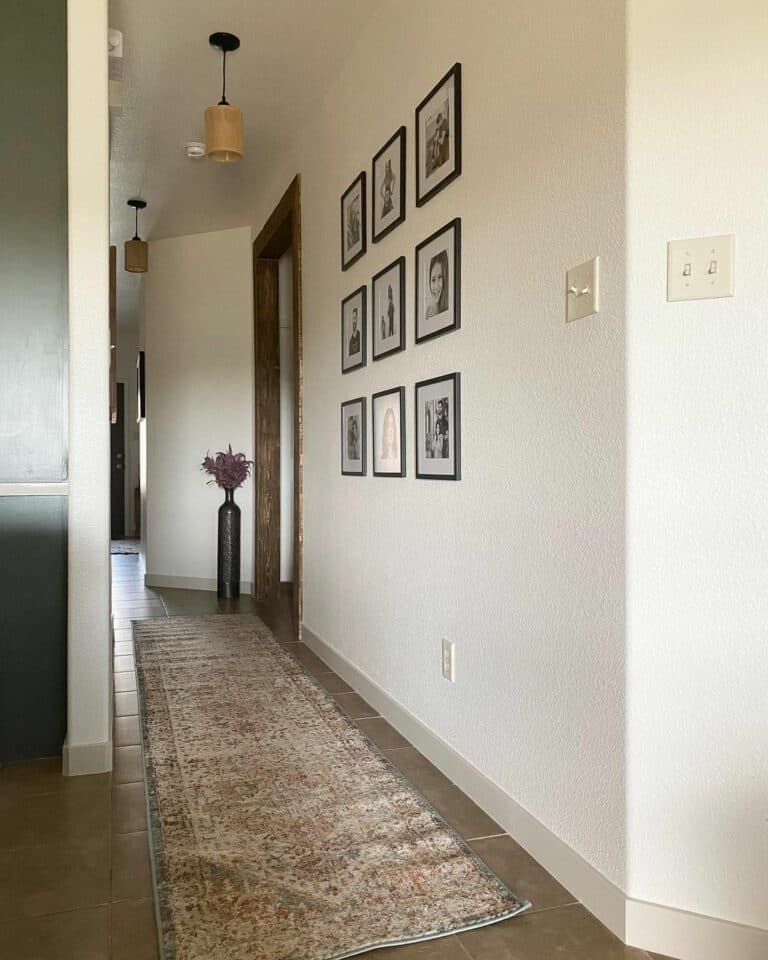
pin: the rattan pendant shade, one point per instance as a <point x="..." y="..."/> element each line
<point x="224" y="133"/>
<point x="136" y="251"/>
<point x="223" y="122"/>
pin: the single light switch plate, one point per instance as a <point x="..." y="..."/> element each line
<point x="700" y="269"/>
<point x="582" y="290"/>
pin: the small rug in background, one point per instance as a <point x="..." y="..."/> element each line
<point x="124" y="546"/>
<point x="278" y="830"/>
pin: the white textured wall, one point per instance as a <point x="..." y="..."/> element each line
<point x="285" y="309"/>
<point x="698" y="455"/>
<point x="198" y="338"/>
<point x="89" y="725"/>
<point x="520" y="563"/>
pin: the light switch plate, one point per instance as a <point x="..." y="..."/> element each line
<point x="701" y="268"/>
<point x="582" y="290"/>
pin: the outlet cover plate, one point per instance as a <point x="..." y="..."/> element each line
<point x="701" y="268"/>
<point x="449" y="660"/>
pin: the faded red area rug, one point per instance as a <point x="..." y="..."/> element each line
<point x="278" y="830"/>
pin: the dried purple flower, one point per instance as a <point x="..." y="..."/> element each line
<point x="229" y="470"/>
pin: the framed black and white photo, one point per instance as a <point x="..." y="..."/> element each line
<point x="388" y="186"/>
<point x="388" y="413"/>
<point x="353" y="222"/>
<point x="353" y="438"/>
<point x="353" y="323"/>
<point x="388" y="310"/>
<point x="438" y="136"/>
<point x="438" y="428"/>
<point x="438" y="282"/>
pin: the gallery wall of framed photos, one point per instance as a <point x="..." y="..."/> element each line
<point x="377" y="313"/>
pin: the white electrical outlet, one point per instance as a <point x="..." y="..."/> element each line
<point x="449" y="660"/>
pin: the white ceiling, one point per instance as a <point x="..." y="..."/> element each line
<point x="290" y="53"/>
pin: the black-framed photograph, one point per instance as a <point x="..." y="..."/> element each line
<point x="438" y="136"/>
<point x="353" y="438"/>
<point x="438" y="282"/>
<point x="438" y="428"/>
<point x="388" y="186"/>
<point x="388" y="310"/>
<point x="141" y="387"/>
<point x="353" y="222"/>
<point x="353" y="323"/>
<point x="388" y="414"/>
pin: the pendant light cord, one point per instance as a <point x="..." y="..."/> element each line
<point x="136" y="231"/>
<point x="224" y="102"/>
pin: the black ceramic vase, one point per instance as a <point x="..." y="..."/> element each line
<point x="228" y="565"/>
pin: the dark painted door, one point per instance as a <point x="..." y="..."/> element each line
<point x="118" y="467"/>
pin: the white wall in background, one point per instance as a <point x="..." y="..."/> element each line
<point x="521" y="562"/>
<point x="285" y="309"/>
<point x="198" y="339"/>
<point x="698" y="454"/>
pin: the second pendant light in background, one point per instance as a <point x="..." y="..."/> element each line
<point x="137" y="250"/>
<point x="223" y="122"/>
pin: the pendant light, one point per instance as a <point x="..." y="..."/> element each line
<point x="223" y="122"/>
<point x="136" y="250"/>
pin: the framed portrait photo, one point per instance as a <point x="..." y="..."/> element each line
<point x="388" y="310"/>
<point x="388" y="411"/>
<point x="353" y="438"/>
<point x="438" y="136"/>
<point x="438" y="428"/>
<point x="353" y="222"/>
<point x="353" y="321"/>
<point x="438" y="282"/>
<point x="388" y="186"/>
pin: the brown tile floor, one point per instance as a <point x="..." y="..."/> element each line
<point x="75" y="881"/>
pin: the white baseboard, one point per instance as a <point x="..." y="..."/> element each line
<point x="81" y="759"/>
<point x="674" y="933"/>
<point x="691" y="936"/>
<point x="189" y="583"/>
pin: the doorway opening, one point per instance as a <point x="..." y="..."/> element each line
<point x="278" y="381"/>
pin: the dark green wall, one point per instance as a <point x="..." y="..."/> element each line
<point x="33" y="375"/>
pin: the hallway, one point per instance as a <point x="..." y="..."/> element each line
<point x="75" y="878"/>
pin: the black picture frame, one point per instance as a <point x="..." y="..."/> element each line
<point x="454" y="282"/>
<point x="375" y="187"/>
<point x="141" y="387"/>
<point x="361" y="292"/>
<point x="422" y="193"/>
<point x="400" y="393"/>
<point x="455" y="380"/>
<point x="400" y="264"/>
<point x="363" y="434"/>
<point x="358" y="184"/>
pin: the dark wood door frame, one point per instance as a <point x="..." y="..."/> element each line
<point x="281" y="234"/>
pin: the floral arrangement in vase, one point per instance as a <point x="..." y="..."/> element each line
<point x="229" y="470"/>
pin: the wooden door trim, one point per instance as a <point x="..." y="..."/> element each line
<point x="279" y="235"/>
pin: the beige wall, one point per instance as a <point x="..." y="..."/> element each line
<point x="88" y="747"/>
<point x="198" y="339"/>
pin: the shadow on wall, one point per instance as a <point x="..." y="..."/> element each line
<point x="33" y="626"/>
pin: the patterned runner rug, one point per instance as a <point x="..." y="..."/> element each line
<point x="278" y="830"/>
